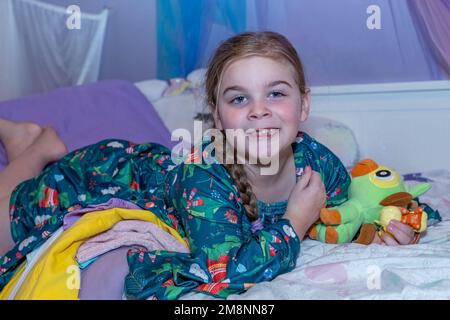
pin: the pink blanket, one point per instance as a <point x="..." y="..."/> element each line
<point x="129" y="233"/>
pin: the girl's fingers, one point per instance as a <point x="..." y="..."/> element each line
<point x="316" y="181"/>
<point x="377" y="239"/>
<point x="402" y="235"/>
<point x="388" y="240"/>
<point x="305" y="178"/>
<point x="316" y="188"/>
<point x="316" y="176"/>
<point x="402" y="226"/>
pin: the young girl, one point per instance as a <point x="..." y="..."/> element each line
<point x="243" y="227"/>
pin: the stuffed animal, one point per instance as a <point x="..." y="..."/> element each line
<point x="373" y="187"/>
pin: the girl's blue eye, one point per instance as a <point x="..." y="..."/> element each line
<point x="276" y="94"/>
<point x="238" y="100"/>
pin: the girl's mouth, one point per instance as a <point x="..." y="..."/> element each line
<point x="263" y="132"/>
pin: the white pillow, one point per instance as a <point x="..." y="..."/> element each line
<point x="177" y="112"/>
<point x="197" y="78"/>
<point x="152" y="89"/>
<point x="336" y="136"/>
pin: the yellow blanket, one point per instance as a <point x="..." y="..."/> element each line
<point x="56" y="274"/>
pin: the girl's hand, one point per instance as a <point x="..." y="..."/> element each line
<point x="305" y="201"/>
<point x="403" y="234"/>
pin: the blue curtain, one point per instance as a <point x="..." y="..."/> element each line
<point x="331" y="36"/>
<point x="184" y="31"/>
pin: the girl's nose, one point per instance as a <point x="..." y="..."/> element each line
<point x="259" y="110"/>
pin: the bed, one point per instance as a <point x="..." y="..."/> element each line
<point x="142" y="112"/>
<point x="354" y="271"/>
<point x="393" y="113"/>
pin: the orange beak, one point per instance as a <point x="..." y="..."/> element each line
<point x="364" y="167"/>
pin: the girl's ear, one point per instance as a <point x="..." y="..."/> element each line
<point x="305" y="107"/>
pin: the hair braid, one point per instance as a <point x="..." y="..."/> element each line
<point x="239" y="176"/>
<point x="249" y="200"/>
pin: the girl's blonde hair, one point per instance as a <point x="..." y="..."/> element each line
<point x="265" y="44"/>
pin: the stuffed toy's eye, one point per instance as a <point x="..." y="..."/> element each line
<point x="384" y="175"/>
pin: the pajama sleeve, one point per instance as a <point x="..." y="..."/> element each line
<point x="334" y="175"/>
<point x="336" y="179"/>
<point x="226" y="257"/>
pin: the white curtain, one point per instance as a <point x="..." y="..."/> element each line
<point x="38" y="52"/>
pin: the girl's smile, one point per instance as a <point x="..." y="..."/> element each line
<point x="263" y="133"/>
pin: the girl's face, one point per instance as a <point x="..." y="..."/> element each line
<point x="261" y="93"/>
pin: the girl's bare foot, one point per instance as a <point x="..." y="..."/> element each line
<point x="46" y="148"/>
<point x="17" y="136"/>
<point x="49" y="145"/>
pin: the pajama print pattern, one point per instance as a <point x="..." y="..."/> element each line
<point x="198" y="200"/>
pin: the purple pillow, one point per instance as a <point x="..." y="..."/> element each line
<point x="89" y="113"/>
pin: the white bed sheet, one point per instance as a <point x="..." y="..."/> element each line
<point x="354" y="271"/>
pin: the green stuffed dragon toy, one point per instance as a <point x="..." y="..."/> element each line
<point x="376" y="194"/>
